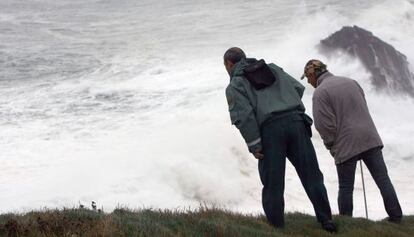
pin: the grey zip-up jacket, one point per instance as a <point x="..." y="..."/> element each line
<point x="342" y="118"/>
<point x="249" y="107"/>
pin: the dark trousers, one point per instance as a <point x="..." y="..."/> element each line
<point x="374" y="161"/>
<point x="288" y="136"/>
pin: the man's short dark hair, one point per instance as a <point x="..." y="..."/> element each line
<point x="234" y="55"/>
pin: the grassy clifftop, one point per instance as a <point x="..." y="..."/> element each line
<point x="202" y="222"/>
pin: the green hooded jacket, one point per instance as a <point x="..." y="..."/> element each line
<point x="250" y="108"/>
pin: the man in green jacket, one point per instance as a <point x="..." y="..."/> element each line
<point x="265" y="105"/>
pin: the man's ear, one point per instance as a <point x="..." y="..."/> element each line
<point x="228" y="64"/>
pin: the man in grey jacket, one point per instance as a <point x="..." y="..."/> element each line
<point x="265" y="105"/>
<point x="342" y="118"/>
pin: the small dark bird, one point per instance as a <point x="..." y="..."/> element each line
<point x="93" y="205"/>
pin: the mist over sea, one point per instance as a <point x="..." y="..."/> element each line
<point x="122" y="102"/>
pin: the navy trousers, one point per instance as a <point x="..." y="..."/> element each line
<point x="289" y="137"/>
<point x="374" y="161"/>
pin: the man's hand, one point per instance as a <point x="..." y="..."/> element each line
<point x="256" y="150"/>
<point x="258" y="155"/>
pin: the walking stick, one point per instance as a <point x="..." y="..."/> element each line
<point x="363" y="188"/>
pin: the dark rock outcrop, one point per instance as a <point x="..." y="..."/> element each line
<point x="389" y="68"/>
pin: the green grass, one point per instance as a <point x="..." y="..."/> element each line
<point x="201" y="222"/>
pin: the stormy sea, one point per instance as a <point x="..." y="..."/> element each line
<point x="122" y="102"/>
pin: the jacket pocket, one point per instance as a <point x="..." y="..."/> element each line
<point x="308" y="124"/>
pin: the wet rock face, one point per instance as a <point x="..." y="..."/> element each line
<point x="389" y="68"/>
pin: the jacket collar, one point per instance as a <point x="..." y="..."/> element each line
<point x="239" y="67"/>
<point x="323" y="77"/>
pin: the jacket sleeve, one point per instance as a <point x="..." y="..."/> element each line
<point x="242" y="115"/>
<point x="324" y="119"/>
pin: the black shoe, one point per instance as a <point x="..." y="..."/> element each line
<point x="329" y="226"/>
<point x="396" y="220"/>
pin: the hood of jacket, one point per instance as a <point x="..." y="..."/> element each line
<point x="240" y="66"/>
